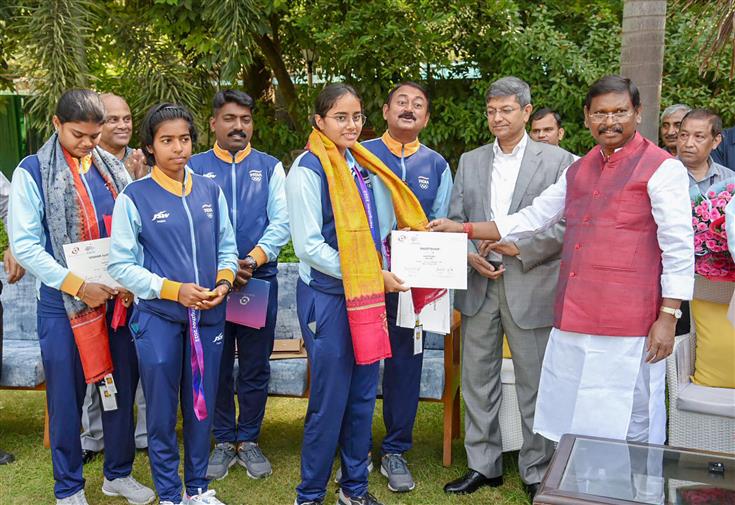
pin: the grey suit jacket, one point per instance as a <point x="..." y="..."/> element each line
<point x="530" y="279"/>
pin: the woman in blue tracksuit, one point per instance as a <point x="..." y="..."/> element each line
<point x="65" y="193"/>
<point x="173" y="247"/>
<point x="342" y="397"/>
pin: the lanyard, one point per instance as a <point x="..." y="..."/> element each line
<point x="197" y="366"/>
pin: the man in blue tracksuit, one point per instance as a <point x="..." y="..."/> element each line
<point x="428" y="175"/>
<point x="253" y="184"/>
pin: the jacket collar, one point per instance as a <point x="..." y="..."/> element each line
<point x="171" y="185"/>
<point x="226" y="156"/>
<point x="400" y="150"/>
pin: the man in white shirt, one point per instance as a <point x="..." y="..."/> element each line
<point x="509" y="290"/>
<point x="627" y="263"/>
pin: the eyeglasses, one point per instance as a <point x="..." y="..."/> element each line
<point x="599" y="117"/>
<point x="343" y="119"/>
<point x="505" y="112"/>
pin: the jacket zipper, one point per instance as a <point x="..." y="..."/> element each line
<point x="191" y="229"/>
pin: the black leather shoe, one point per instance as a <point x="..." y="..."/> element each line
<point x="471" y="482"/>
<point x="531" y="490"/>
<point x="6" y="457"/>
<point x="88" y="456"/>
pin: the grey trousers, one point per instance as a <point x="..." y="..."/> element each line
<point x="482" y="354"/>
<point x="92" y="436"/>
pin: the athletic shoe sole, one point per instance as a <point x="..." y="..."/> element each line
<point x="113" y="494"/>
<point x="384" y="473"/>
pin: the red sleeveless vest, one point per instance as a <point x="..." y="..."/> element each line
<point x="610" y="274"/>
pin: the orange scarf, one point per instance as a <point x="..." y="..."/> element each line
<point x="361" y="267"/>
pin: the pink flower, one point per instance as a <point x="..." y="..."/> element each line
<point x="730" y="187"/>
<point x="701" y="226"/>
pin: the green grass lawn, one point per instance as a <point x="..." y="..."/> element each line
<point x="29" y="480"/>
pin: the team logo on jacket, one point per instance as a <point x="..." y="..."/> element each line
<point x="209" y="175"/>
<point x="161" y="216"/>
<point x="423" y="182"/>
<point x="218" y="339"/>
<point x="207" y="208"/>
<point x="256" y="175"/>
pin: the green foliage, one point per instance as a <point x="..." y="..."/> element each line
<point x="184" y="50"/>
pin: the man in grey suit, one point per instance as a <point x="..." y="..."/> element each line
<point x="510" y="286"/>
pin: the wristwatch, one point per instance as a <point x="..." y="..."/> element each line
<point x="674" y="312"/>
<point x="226" y="283"/>
<point x="252" y="263"/>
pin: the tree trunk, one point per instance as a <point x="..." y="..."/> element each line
<point x="642" y="56"/>
<point x="285" y="84"/>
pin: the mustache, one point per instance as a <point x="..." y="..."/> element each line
<point x="237" y="132"/>
<point x="407" y="115"/>
<point x="613" y="128"/>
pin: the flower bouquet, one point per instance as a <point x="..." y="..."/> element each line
<point x="712" y="258"/>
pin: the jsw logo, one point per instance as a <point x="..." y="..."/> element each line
<point x="160" y="217"/>
<point x="218" y="339"/>
<point x="210" y="175"/>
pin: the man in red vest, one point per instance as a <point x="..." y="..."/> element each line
<point x="627" y="263"/>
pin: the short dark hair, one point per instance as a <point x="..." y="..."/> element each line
<point x="410" y="84"/>
<point x="83" y="105"/>
<point x="161" y="113"/>
<point x="329" y="95"/>
<point x="715" y="121"/>
<point x="545" y="111"/>
<point x="613" y="84"/>
<point x="232" y="96"/>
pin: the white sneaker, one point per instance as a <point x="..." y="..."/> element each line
<point x="130" y="489"/>
<point x="205" y="498"/>
<point x="77" y="498"/>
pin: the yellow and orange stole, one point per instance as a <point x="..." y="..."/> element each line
<point x="361" y="264"/>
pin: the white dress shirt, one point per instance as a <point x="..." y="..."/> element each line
<point x="503" y="178"/>
<point x="579" y="369"/>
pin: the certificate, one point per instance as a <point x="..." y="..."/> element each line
<point x="89" y="259"/>
<point x="435" y="317"/>
<point x="429" y="259"/>
<point x="248" y="306"/>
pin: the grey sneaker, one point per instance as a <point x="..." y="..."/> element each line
<point x="338" y="473"/>
<point x="222" y="458"/>
<point x="130" y="489"/>
<point x="77" y="498"/>
<point x="296" y="502"/>
<point x="395" y="468"/>
<point x="368" y="499"/>
<point x="252" y="458"/>
<point x="169" y="503"/>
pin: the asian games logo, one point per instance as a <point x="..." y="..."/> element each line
<point x="208" y="211"/>
<point x="423" y="182"/>
<point x="256" y="175"/>
<point x="244" y="300"/>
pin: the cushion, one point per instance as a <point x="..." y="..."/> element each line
<point x="288" y="376"/>
<point x="707" y="400"/>
<point x="715" y="353"/>
<point x="432" y="375"/>
<point x="287" y="324"/>
<point x="22" y="365"/>
<point x="19" y="308"/>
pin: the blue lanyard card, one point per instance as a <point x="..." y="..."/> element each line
<point x="248" y="306"/>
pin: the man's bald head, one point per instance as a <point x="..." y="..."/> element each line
<point x="118" y="127"/>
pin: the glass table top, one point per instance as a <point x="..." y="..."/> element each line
<point x="643" y="474"/>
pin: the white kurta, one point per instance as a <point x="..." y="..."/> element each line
<point x="600" y="385"/>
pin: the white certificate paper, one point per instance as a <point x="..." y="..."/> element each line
<point x="429" y="259"/>
<point x="89" y="261"/>
<point x="435" y="317"/>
